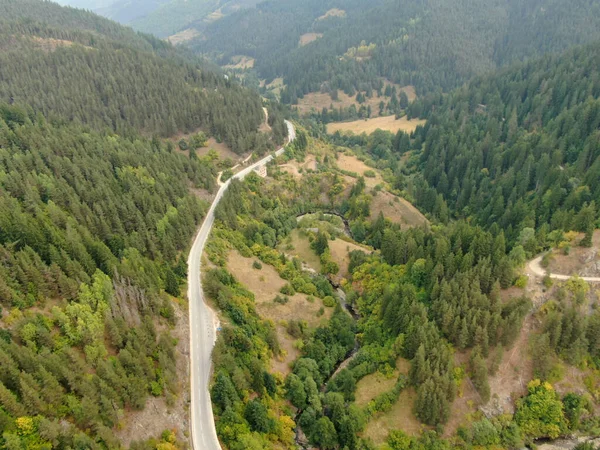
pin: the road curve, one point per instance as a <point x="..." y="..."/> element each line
<point x="203" y="324"/>
<point x="536" y="267"/>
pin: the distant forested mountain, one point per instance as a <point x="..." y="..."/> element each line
<point x="431" y="44"/>
<point x="161" y="17"/>
<point x="517" y="149"/>
<point x="71" y="64"/>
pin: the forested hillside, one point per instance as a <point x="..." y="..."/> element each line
<point x="91" y="230"/>
<point x="430" y="298"/>
<point x="161" y="17"/>
<point x="97" y="211"/>
<point x="431" y="44"/>
<point x="72" y="65"/>
<point x="519" y="149"/>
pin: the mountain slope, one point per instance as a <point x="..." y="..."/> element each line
<point x="74" y="65"/>
<point x="431" y="44"/>
<point x="518" y="149"/>
<point x="96" y="215"/>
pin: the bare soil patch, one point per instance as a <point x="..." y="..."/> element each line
<point x="580" y="261"/>
<point x="240" y="62"/>
<point x="333" y="12"/>
<point x="307" y="38"/>
<point x="397" y="210"/>
<point x="183" y="36"/>
<point x="388" y="123"/>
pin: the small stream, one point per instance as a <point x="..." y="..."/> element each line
<point x="300" y="438"/>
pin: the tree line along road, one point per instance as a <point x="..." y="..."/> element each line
<point x="203" y="323"/>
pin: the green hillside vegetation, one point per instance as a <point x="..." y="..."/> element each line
<point x="517" y="151"/>
<point x="92" y="228"/>
<point x="425" y="294"/>
<point x="432" y="44"/>
<point x="50" y="65"/>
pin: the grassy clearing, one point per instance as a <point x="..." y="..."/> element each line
<point x="340" y="254"/>
<point x="351" y="163"/>
<point x="183" y="36"/>
<point x="388" y="123"/>
<point x="400" y="417"/>
<point x="265" y="284"/>
<point x="373" y="385"/>
<point x="333" y="12"/>
<point x="298" y="245"/>
<point x="398" y="210"/>
<point x="307" y="38"/>
<point x="240" y="62"/>
<point x="316" y="101"/>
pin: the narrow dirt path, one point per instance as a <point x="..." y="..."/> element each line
<point x="537" y="269"/>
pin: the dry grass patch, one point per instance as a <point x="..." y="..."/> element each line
<point x="388" y="123"/>
<point x="400" y="417"/>
<point x="274" y="86"/>
<point x="293" y="167"/>
<point x="214" y="16"/>
<point x="580" y="260"/>
<point x="222" y="149"/>
<point x="316" y="101"/>
<point x="351" y="163"/>
<point x="370" y="386"/>
<point x="240" y="62"/>
<point x="397" y="210"/>
<point x="299" y="246"/>
<point x="333" y="12"/>
<point x="183" y="36"/>
<point x="340" y="254"/>
<point x="265" y="284"/>
<point x="307" y="38"/>
<point x="49" y="44"/>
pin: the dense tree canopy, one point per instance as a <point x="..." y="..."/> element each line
<point x="431" y="44"/>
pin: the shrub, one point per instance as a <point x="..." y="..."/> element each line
<point x="369" y="173"/>
<point x="287" y="290"/>
<point x="329" y="301"/>
<point x="226" y="175"/>
<point x="320" y="312"/>
<point x="521" y="281"/>
<point x="281" y="300"/>
<point x="183" y="145"/>
<point x="546" y="260"/>
<point x="257" y="265"/>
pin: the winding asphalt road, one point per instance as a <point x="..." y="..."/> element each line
<point x="538" y="270"/>
<point x="204" y="323"/>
